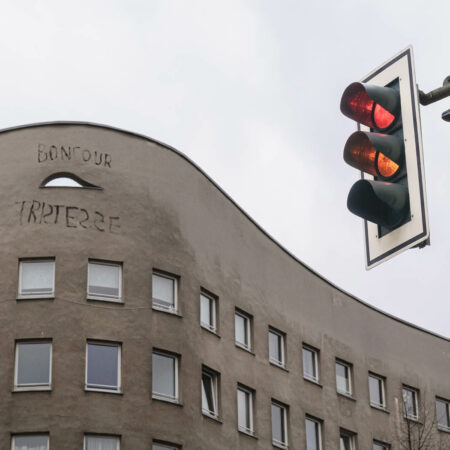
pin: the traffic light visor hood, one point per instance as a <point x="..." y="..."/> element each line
<point x="377" y="154"/>
<point x="374" y="106"/>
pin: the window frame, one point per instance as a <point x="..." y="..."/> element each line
<point x="447" y="407"/>
<point x="164" y="397"/>
<point x="282" y="348"/>
<point x="349" y="368"/>
<point x="165" y="445"/>
<point x="383" y="445"/>
<point x="415" y="393"/>
<point x="318" y="423"/>
<point x="250" y="392"/>
<point x="213" y="311"/>
<point x="88" y="435"/>
<point x="315" y="354"/>
<point x="215" y="384"/>
<point x="382" y="385"/>
<point x="351" y="436"/>
<point x="284" y="408"/>
<point x="118" y="389"/>
<point x="33" y="386"/>
<point x="158" y="307"/>
<point x="47" y="295"/>
<point x="106" y="298"/>
<point x="248" y="329"/>
<point x="13" y="438"/>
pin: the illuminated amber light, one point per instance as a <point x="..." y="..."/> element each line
<point x="386" y="166"/>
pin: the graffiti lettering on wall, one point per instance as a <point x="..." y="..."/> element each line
<point x="48" y="153"/>
<point x="43" y="213"/>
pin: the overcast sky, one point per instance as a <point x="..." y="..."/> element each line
<point x="250" y="91"/>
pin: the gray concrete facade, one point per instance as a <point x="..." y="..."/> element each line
<point x="157" y="211"/>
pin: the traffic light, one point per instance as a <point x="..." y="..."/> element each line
<point x="387" y="149"/>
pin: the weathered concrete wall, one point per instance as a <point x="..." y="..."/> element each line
<point x="158" y="211"/>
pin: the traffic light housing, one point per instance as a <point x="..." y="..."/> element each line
<point x="387" y="149"/>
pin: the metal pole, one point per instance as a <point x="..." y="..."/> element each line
<point x="436" y="94"/>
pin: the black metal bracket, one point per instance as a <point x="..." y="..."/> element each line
<point x="436" y="94"/>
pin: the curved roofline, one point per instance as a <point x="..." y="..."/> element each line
<point x="182" y="155"/>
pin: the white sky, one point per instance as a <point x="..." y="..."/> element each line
<point x="250" y="91"/>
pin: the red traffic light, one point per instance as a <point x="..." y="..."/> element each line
<point x="374" y="106"/>
<point x="379" y="155"/>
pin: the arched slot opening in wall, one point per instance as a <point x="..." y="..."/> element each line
<point x="66" y="180"/>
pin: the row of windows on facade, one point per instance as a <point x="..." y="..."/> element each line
<point x="103" y="373"/>
<point x="41" y="441"/>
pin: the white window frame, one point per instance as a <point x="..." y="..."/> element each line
<point x="13" y="440"/>
<point x="213" y="305"/>
<point x="105" y="298"/>
<point x="315" y="353"/>
<point x="415" y="393"/>
<point x="33" y="386"/>
<point x="249" y="392"/>
<point x="319" y="429"/>
<point x="248" y="325"/>
<point x="214" y="376"/>
<point x="275" y="442"/>
<point x="383" y="391"/>
<point x="282" y="337"/>
<point x="350" y="436"/>
<point x="170" y="309"/>
<point x="380" y="444"/>
<point x="32" y="295"/>
<point x="447" y="406"/>
<point x="164" y="397"/>
<point x="98" y="388"/>
<point x="348" y="367"/>
<point x="88" y="435"/>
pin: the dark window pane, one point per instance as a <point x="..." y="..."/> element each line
<point x="376" y="391"/>
<point x="33" y="365"/>
<point x="312" y="435"/>
<point x="163" y="375"/>
<point x="309" y="364"/>
<point x="208" y="393"/>
<point x="275" y="351"/>
<point x="240" y="325"/>
<point x="278" y="426"/>
<point x="244" y="419"/>
<point x="102" y="369"/>
<point x="442" y="413"/>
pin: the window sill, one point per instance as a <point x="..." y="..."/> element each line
<point x="32" y="389"/>
<point x="212" y="417"/>
<point x="282" y="367"/>
<point x="167" y="311"/>
<point x="412" y="418"/>
<point x="174" y="402"/>
<point x="21" y="298"/>
<point x="381" y="408"/>
<point x="214" y="332"/>
<point x="246" y="349"/>
<point x="346" y="395"/>
<point x="248" y="433"/>
<point x="443" y="428"/>
<point x="310" y="380"/>
<point x="279" y="445"/>
<point x="104" y="391"/>
<point x="104" y="300"/>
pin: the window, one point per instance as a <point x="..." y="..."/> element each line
<point x="30" y="442"/>
<point x="208" y="312"/>
<point x="343" y="378"/>
<point x="313" y="434"/>
<point x="210" y="399"/>
<point x="410" y="407"/>
<point x="164" y="289"/>
<point x="443" y="414"/>
<point x="376" y="391"/>
<point x="279" y="425"/>
<point x="37" y="279"/>
<point x="276" y="347"/>
<point x="103" y="367"/>
<point x="242" y="330"/>
<point x="165" y="376"/>
<point x="161" y="446"/>
<point x="94" y="442"/>
<point x="346" y="440"/>
<point x="33" y="366"/>
<point x="311" y="364"/>
<point x="245" y="410"/>
<point x="104" y="281"/>
<point x="380" y="446"/>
